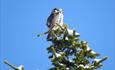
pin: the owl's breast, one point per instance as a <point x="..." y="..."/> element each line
<point x="55" y="19"/>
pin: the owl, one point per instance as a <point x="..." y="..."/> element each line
<point x="56" y="17"/>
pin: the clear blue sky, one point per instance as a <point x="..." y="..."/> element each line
<point x="22" y="20"/>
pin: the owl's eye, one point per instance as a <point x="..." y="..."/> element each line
<point x="55" y="11"/>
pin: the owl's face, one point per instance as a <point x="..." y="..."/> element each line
<point x="57" y="11"/>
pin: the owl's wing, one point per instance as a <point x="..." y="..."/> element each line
<point x="49" y="20"/>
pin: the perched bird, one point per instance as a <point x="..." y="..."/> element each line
<point x="56" y="17"/>
<point x="54" y="21"/>
<point x="21" y="67"/>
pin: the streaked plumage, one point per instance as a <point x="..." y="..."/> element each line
<point x="56" y="16"/>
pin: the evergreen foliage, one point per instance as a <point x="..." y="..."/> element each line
<point x="67" y="52"/>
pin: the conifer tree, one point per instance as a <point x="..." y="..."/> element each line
<point x="67" y="52"/>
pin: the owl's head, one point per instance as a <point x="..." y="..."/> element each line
<point x="57" y="11"/>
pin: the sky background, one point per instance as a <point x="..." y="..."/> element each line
<point x="22" y="20"/>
